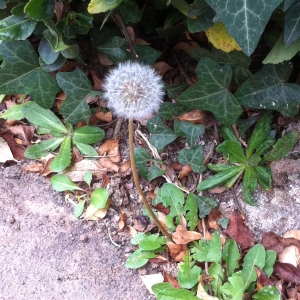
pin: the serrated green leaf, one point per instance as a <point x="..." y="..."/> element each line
<point x="211" y="92"/>
<point x="234" y="288"/>
<point x="219" y="167"/>
<point x="231" y="181"/>
<point x="99" y="197"/>
<point x="63" y="158"/>
<point x="44" y="118"/>
<point x="43" y="148"/>
<point x="165" y="291"/>
<point x="232" y="151"/>
<point x="245" y="21"/>
<point x="270" y="261"/>
<point x="192" y="131"/>
<point x="267" y="89"/>
<point x="216" y="272"/>
<point x="172" y="197"/>
<point x="15" y="28"/>
<point x="40" y="9"/>
<point x="231" y="256"/>
<point x="78" y="210"/>
<point x="99" y="6"/>
<point x="292" y="24"/>
<point x="255" y="257"/>
<point x="15" y="112"/>
<point x="192" y="157"/>
<point x="219" y="178"/>
<point x="249" y="184"/>
<point x="280" y="52"/>
<point x="62" y="183"/>
<point x="114" y="49"/>
<point x="191" y="211"/>
<point x="260" y="133"/>
<point x="264" y="177"/>
<point x="266" y="145"/>
<point x="21" y="70"/>
<point x="77" y="87"/>
<point x="88" y="134"/>
<point x="282" y="147"/>
<point x="268" y="293"/>
<point x="152" y="242"/>
<point x="88" y="176"/>
<point x="161" y="135"/>
<point x="205" y="205"/>
<point x="188" y="273"/>
<point x="86" y="149"/>
<point x="228" y="134"/>
<point x="138" y="259"/>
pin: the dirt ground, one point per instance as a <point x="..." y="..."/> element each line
<point x="45" y="253"/>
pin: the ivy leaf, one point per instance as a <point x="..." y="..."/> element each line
<point x="203" y="20"/>
<point x="138" y="259"/>
<point x="43" y="117"/>
<point x="267" y="89"/>
<point x="147" y="54"/>
<point x="192" y="157"/>
<point x="292" y="24"/>
<point x="231" y="256"/>
<point x="191" y="211"/>
<point x="77" y="87"/>
<point x="151" y="242"/>
<point x="142" y="157"/>
<point x="255" y="257"/>
<point x="130" y="12"/>
<point x="161" y="135"/>
<point x="54" y="66"/>
<point x="205" y="205"/>
<point x="211" y="92"/>
<point x="173" y="90"/>
<point x="172" y="197"/>
<point x="16" y="28"/>
<point x="245" y="20"/>
<point x="282" y="147"/>
<point x="63" y="158"/>
<point x="99" y="6"/>
<point x="99" y="197"/>
<point x="43" y="148"/>
<point x="234" y="288"/>
<point x="188" y="273"/>
<point x="22" y="68"/>
<point x="191" y="131"/>
<point x="62" y="183"/>
<point x="40" y="9"/>
<point x="88" y="134"/>
<point x="169" y="110"/>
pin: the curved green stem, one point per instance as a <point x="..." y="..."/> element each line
<point x="137" y="183"/>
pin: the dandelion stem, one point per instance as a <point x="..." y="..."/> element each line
<point x="137" y="183"/>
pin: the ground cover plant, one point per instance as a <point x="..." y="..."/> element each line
<point x="204" y="67"/>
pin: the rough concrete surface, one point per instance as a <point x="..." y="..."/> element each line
<point x="45" y="253"/>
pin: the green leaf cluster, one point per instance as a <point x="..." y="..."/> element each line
<point x="249" y="164"/>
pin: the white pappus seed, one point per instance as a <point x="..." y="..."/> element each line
<point x="133" y="90"/>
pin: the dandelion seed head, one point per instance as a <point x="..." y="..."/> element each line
<point x="133" y="91"/>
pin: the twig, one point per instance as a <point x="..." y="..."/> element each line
<point x="151" y="147"/>
<point x="126" y="34"/>
<point x="117" y="128"/>
<point x="113" y="242"/>
<point x="210" y="152"/>
<point x="238" y="136"/>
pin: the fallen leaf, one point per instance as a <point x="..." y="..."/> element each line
<point x="183" y="236"/>
<point x="122" y="221"/>
<point x="140" y="42"/>
<point x="158" y="260"/>
<point x="77" y="171"/>
<point x="290" y="255"/>
<point x="186" y="170"/>
<point x="162" y="68"/>
<point x="108" y="164"/>
<point x="287" y="272"/>
<point x="270" y="241"/>
<point x="102" y="116"/>
<point x="35" y="168"/>
<point x="161" y="208"/>
<point x="69" y="66"/>
<point x="25" y="133"/>
<point x="125" y="168"/>
<point x="174" y="249"/>
<point x="16" y="150"/>
<point x="177" y="166"/>
<point x="103" y="59"/>
<point x="131" y="33"/>
<point x="46" y="161"/>
<point x="202" y="294"/>
<point x="150" y="280"/>
<point x="217" y="190"/>
<point x="58" y="10"/>
<point x="132" y="231"/>
<point x="162" y="219"/>
<point x="172" y="280"/>
<point x="105" y="180"/>
<point x="213" y="218"/>
<point x="180" y="256"/>
<point x="238" y="231"/>
<point x="197" y="116"/>
<point x="5" y="153"/>
<point x="76" y="156"/>
<point x="96" y="80"/>
<point x="92" y="213"/>
<point x="186" y="46"/>
<point x="140" y="223"/>
<point x="262" y="279"/>
<point x="111" y="149"/>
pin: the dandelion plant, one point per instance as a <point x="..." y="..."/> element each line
<point x="134" y="91"/>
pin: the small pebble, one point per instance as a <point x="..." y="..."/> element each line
<point x="10" y="219"/>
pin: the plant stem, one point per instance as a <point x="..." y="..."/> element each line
<point x="137" y="183"/>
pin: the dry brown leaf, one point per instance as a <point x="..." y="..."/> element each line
<point x="69" y="66"/>
<point x="141" y="42"/>
<point x="180" y="256"/>
<point x="177" y="166"/>
<point x="217" y="190"/>
<point x="140" y="223"/>
<point x="162" y="68"/>
<point x="5" y="152"/>
<point x="35" y="167"/>
<point x="103" y="59"/>
<point x="131" y="33"/>
<point x="174" y="249"/>
<point x="122" y="221"/>
<point x="125" y="168"/>
<point x="290" y="255"/>
<point x="96" y="80"/>
<point x="202" y="294"/>
<point x="76" y="156"/>
<point x="132" y="231"/>
<point x="92" y="213"/>
<point x="46" y="161"/>
<point x="16" y="150"/>
<point x="105" y="180"/>
<point x="183" y="236"/>
<point x="172" y="280"/>
<point x="77" y="171"/>
<point x="213" y="218"/>
<point x="150" y="280"/>
<point x="110" y="148"/>
<point x="162" y="218"/>
<point x="186" y="170"/>
<point x="160" y="207"/>
<point x="185" y="46"/>
<point x="108" y="164"/>
<point x="104" y="117"/>
<point x="24" y="132"/>
<point x="197" y="116"/>
<point x="58" y="10"/>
